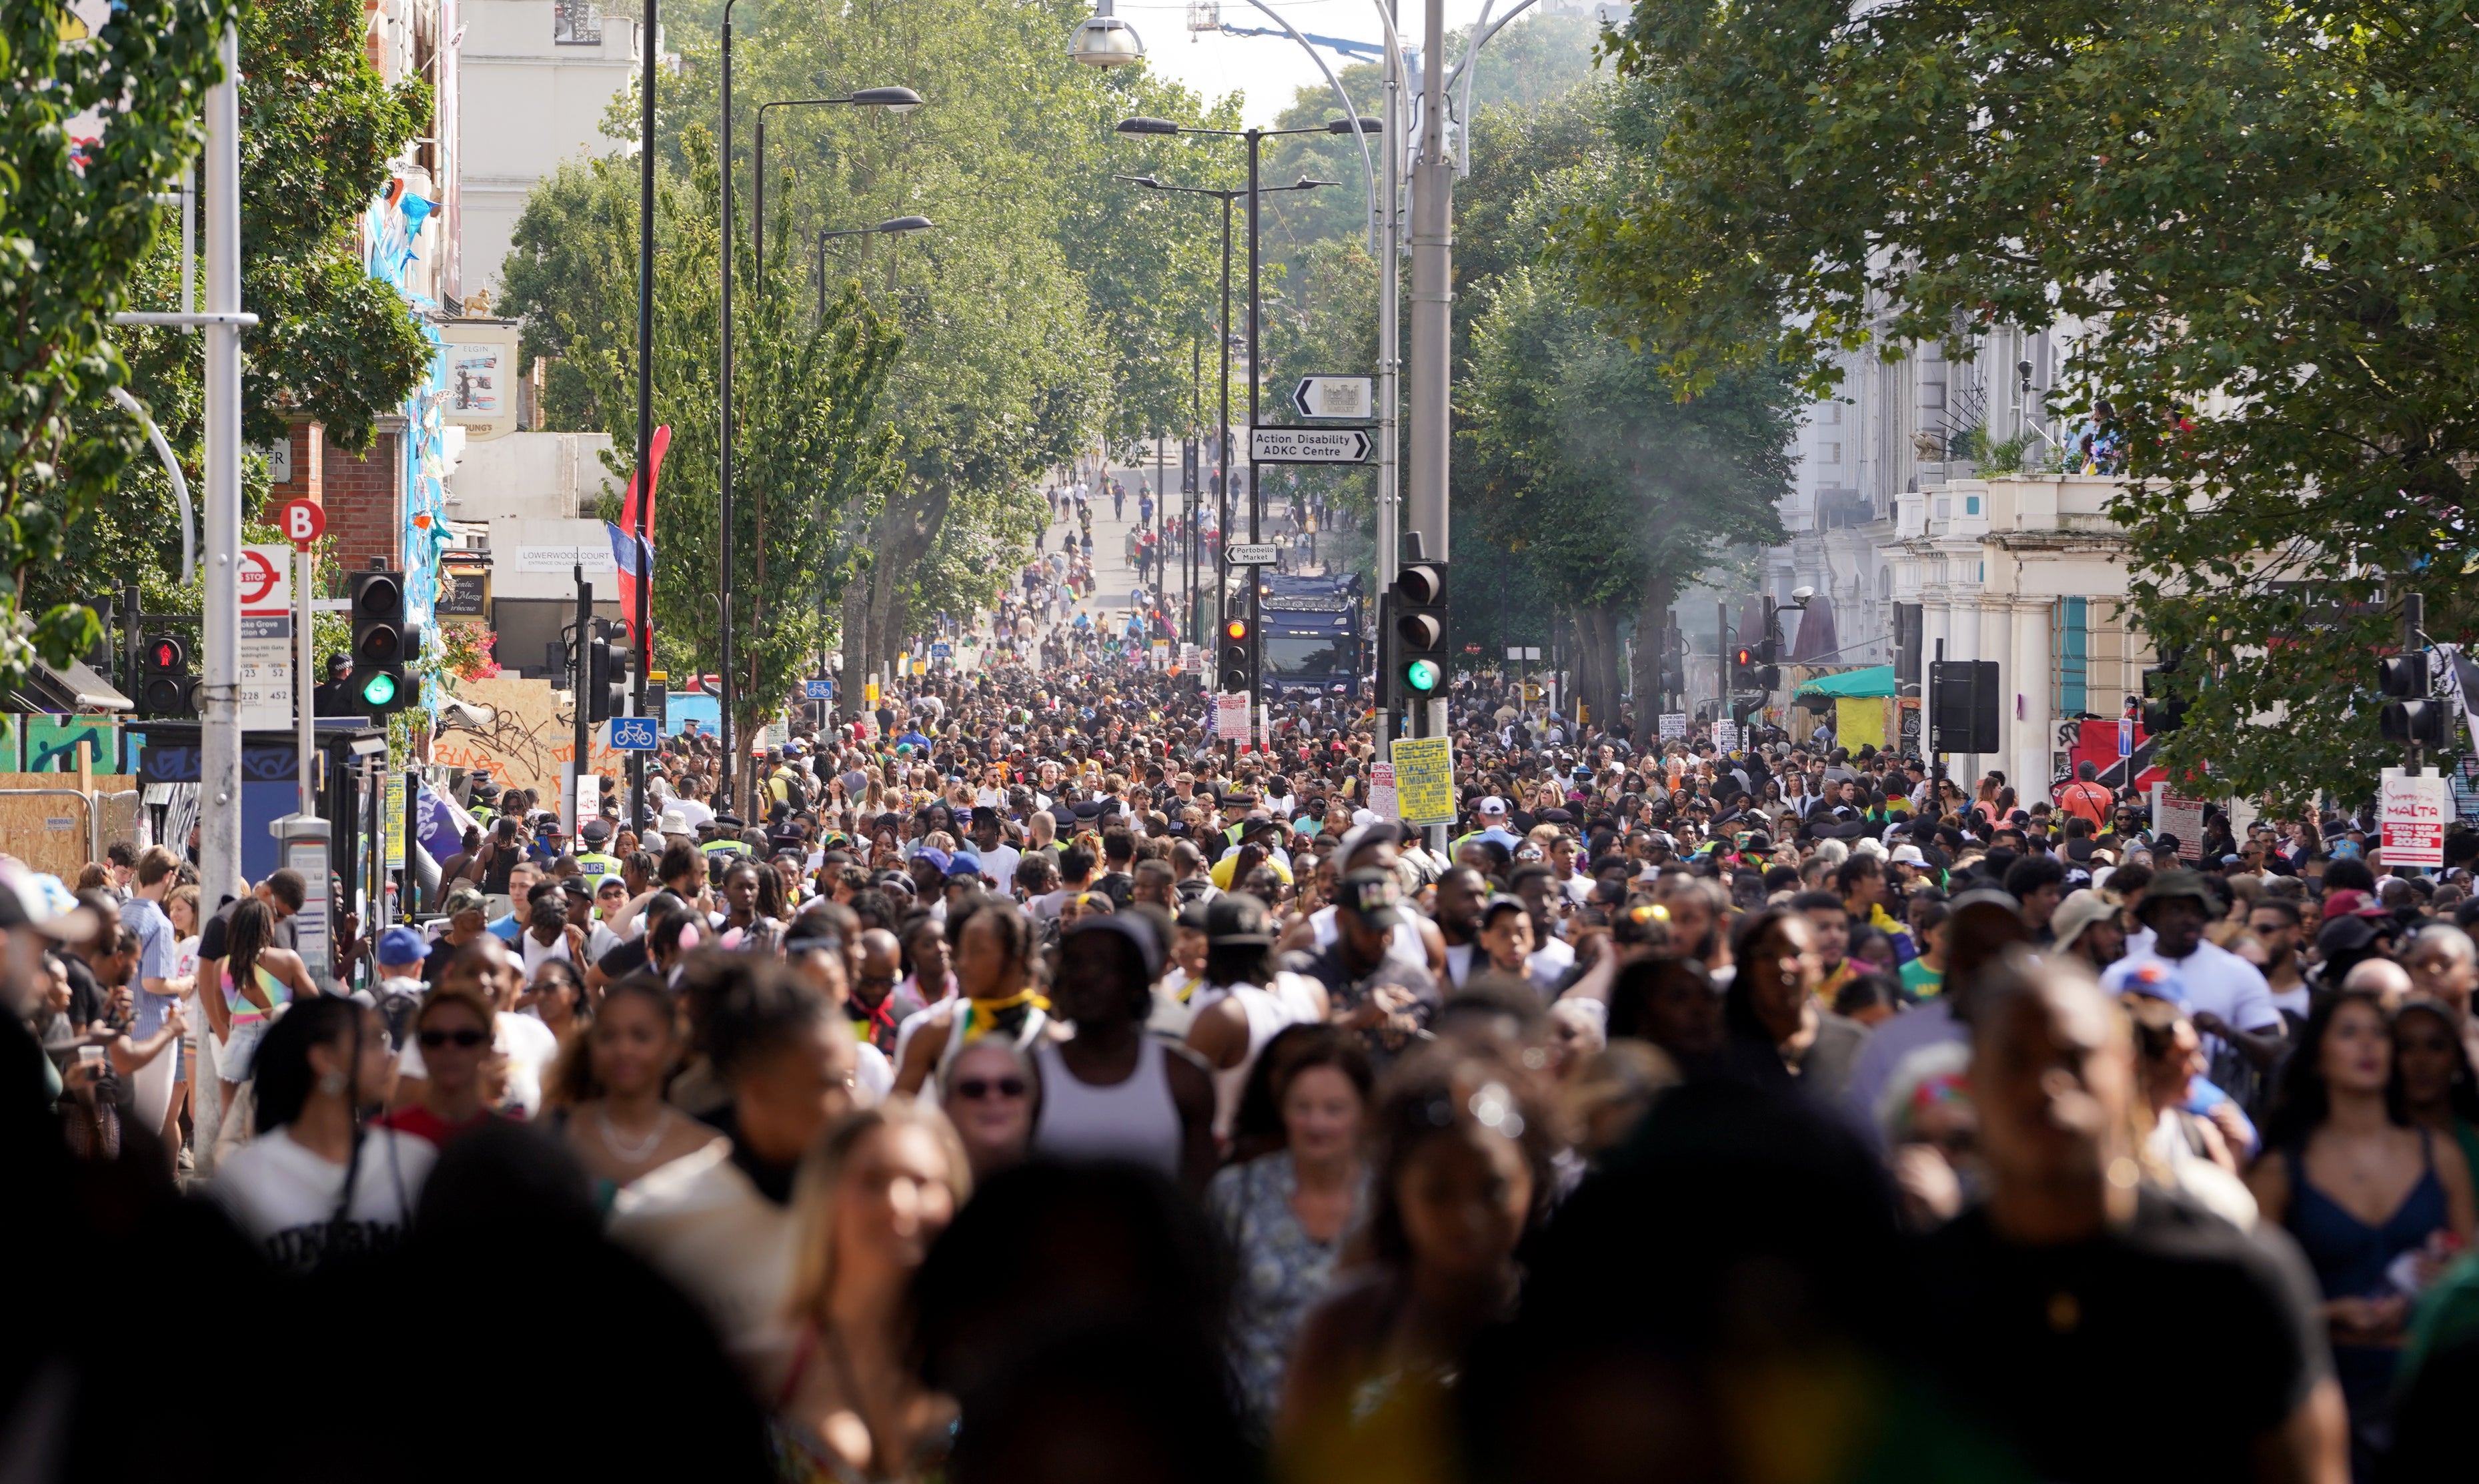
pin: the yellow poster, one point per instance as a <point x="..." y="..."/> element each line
<point x="1424" y="779"/>
<point x="1859" y="720"/>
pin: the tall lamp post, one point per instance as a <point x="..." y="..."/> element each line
<point x="892" y="226"/>
<point x="897" y="99"/>
<point x="1256" y="138"/>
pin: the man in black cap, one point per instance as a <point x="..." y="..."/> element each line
<point x="1380" y="991"/>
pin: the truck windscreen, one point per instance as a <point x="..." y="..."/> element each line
<point x="1309" y="654"/>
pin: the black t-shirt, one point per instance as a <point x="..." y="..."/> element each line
<point x="630" y="958"/>
<point x="89" y="1002"/>
<point x="2157" y="1352"/>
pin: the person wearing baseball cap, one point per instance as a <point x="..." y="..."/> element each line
<point x="2227" y="996"/>
<point x="1378" y="990"/>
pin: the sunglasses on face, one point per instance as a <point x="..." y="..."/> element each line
<point x="463" y="1040"/>
<point x="972" y="1089"/>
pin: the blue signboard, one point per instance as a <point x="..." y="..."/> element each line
<point x="634" y="734"/>
<point x="818" y="690"/>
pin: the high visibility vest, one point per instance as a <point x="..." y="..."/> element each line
<point x="723" y="848"/>
<point x="598" y="865"/>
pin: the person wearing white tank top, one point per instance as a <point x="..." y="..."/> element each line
<point x="1244" y="1002"/>
<point x="1110" y="1092"/>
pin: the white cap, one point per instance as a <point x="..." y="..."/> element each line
<point x="1492" y="805"/>
<point x="1908" y="854"/>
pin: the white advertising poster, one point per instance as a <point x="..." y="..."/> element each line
<point x="264" y="650"/>
<point x="2177" y="815"/>
<point x="1381" y="792"/>
<point x="2417" y="807"/>
<point x="1231" y="718"/>
<point x="1726" y="736"/>
<point x="1674" y="725"/>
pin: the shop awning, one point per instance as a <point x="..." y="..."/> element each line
<point x="1851" y="684"/>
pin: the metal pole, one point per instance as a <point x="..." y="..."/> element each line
<point x="584" y="673"/>
<point x="304" y="707"/>
<point x="1223" y="439"/>
<point x="724" y="490"/>
<point x="2414" y="608"/>
<point x="1388" y="345"/>
<point x="645" y="635"/>
<point x="220" y="877"/>
<point x="220" y="775"/>
<point x="1256" y="484"/>
<point x="1432" y="295"/>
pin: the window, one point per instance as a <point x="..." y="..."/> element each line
<point x="576" y="23"/>
<point x="1932" y="396"/>
<point x="2073" y="656"/>
<point x="1828" y="453"/>
<point x="1983" y="573"/>
<point x="1971" y="505"/>
<point x="1309" y="654"/>
<point x="1831" y="415"/>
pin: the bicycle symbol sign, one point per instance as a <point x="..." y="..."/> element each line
<point x="634" y="734"/>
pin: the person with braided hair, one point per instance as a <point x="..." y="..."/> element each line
<point x="315" y="1186"/>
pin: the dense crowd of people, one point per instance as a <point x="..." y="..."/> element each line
<point x="1023" y="1083"/>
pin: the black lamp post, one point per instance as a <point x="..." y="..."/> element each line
<point x="897" y="99"/>
<point x="892" y="226"/>
<point x="1256" y="138"/>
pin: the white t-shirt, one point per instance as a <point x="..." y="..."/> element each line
<point x="284" y="1195"/>
<point x="2215" y="979"/>
<point x="873" y="1075"/>
<point x="999" y="863"/>
<point x="694" y="812"/>
<point x="526" y="1043"/>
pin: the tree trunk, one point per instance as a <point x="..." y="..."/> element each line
<point x="1651" y="619"/>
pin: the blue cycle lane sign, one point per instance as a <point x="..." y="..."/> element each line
<point x="818" y="690"/>
<point x="634" y="733"/>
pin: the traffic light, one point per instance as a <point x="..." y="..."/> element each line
<point x="1419" y="635"/>
<point x="2411" y="717"/>
<point x="1673" y="661"/>
<point x="606" y="683"/>
<point x="1239" y="654"/>
<point x="2164" y="708"/>
<point x="1751" y="668"/>
<point x="385" y="646"/>
<point x="166" y="687"/>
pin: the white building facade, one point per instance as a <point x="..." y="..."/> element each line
<point x="1893" y="518"/>
<point x="536" y="78"/>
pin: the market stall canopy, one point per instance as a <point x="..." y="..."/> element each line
<point x="1875" y="680"/>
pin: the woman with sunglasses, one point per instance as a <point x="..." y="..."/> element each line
<point x="610" y="1085"/>
<point x="453" y="1031"/>
<point x="990" y="1092"/>
<point x="557" y="999"/>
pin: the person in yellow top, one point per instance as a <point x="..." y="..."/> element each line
<point x="1258" y="830"/>
<point x="594" y="863"/>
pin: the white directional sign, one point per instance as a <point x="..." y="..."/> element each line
<point x="1253" y="554"/>
<point x="1334" y="397"/>
<point x="1308" y="445"/>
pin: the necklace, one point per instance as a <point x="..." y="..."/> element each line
<point x="633" y="1154"/>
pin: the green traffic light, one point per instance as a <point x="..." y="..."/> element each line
<point x="1422" y="675"/>
<point x="379" y="689"/>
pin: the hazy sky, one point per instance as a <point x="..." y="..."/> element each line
<point x="1266" y="69"/>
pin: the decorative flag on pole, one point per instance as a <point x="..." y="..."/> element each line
<point x="635" y="558"/>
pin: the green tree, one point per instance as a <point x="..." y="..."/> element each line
<point x="318" y="129"/>
<point x="815" y="458"/>
<point x="2252" y="223"/>
<point x="77" y="218"/>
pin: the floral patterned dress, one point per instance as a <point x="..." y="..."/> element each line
<point x="1282" y="1272"/>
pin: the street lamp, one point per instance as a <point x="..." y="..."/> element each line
<point x="897" y="99"/>
<point x="1140" y="125"/>
<point x="892" y="226"/>
<point x="1104" y="41"/>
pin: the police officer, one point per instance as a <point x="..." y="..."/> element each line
<point x="726" y="838"/>
<point x="593" y="862"/>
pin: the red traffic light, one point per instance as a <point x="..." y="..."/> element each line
<point x="1236" y="629"/>
<point x="166" y="654"/>
<point x="1746" y="655"/>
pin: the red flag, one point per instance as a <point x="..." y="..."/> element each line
<point x="635" y="558"/>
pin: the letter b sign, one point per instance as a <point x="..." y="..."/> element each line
<point x="301" y="521"/>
